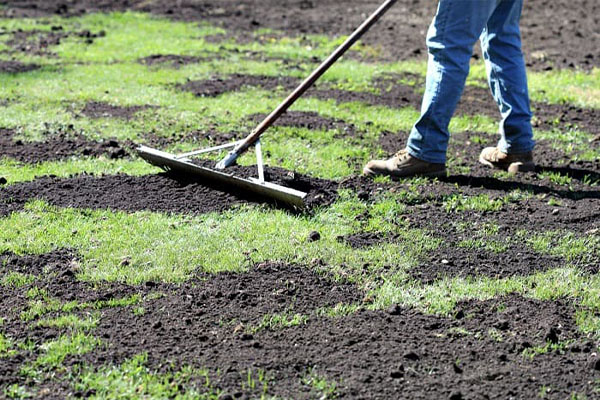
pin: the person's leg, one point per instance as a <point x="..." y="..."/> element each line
<point x="454" y="31"/>
<point x="501" y="45"/>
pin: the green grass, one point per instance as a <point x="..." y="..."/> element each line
<point x="70" y="321"/>
<point x="279" y="321"/>
<point x="41" y="304"/>
<point x="15" y="172"/>
<point x="163" y="247"/>
<point x="134" y="380"/>
<point x="16" y="279"/>
<point x="322" y="387"/>
<point x="55" y="352"/>
<point x="6" y="347"/>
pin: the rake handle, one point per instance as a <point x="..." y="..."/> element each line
<point x="306" y="84"/>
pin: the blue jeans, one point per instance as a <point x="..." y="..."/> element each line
<point x="454" y="31"/>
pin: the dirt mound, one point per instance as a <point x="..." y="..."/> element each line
<point x="452" y="261"/>
<point x="58" y="146"/>
<point x="159" y="193"/>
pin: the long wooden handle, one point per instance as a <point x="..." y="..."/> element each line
<point x="308" y="82"/>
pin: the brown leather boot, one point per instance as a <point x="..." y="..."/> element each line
<point x="513" y="163"/>
<point x="403" y="165"/>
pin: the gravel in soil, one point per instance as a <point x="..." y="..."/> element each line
<point x="58" y="146"/>
<point x="398" y="353"/>
<point x="552" y="29"/>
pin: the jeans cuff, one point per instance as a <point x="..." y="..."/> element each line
<point x="422" y="157"/>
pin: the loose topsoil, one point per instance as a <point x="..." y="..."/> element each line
<point x="163" y="192"/>
<point x="484" y="350"/>
<point x="556" y="33"/>
<point x="58" y="146"/>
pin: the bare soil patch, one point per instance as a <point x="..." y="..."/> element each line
<point x="310" y="120"/>
<point x="37" y="42"/>
<point x="173" y="60"/>
<point x="58" y="146"/>
<point x="159" y="193"/>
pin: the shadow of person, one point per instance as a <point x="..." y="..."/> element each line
<point x="585" y="176"/>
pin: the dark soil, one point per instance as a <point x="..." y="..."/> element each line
<point x="58" y="146"/>
<point x="36" y="42"/>
<point x="16" y="67"/>
<point x="217" y="86"/>
<point x="556" y="34"/>
<point x="161" y="192"/>
<point x="208" y="322"/>
<point x="173" y="60"/>
<point x="96" y="109"/>
<point x="452" y="261"/>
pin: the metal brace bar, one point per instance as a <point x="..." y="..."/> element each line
<point x="208" y="150"/>
<point x="259" y="162"/>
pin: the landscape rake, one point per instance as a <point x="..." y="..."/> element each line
<point x="183" y="164"/>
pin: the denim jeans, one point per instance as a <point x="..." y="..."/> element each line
<point x="454" y="31"/>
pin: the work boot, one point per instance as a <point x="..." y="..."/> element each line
<point x="513" y="163"/>
<point x="403" y="165"/>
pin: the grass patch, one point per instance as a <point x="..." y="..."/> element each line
<point x="16" y="279"/>
<point x="6" y="347"/>
<point x="322" y="387"/>
<point x="574" y="248"/>
<point x="133" y="380"/>
<point x="70" y="321"/>
<point x="279" y="321"/>
<point x="169" y="248"/>
<point x="55" y="352"/>
<point x="41" y="304"/>
<point x="15" y="172"/>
